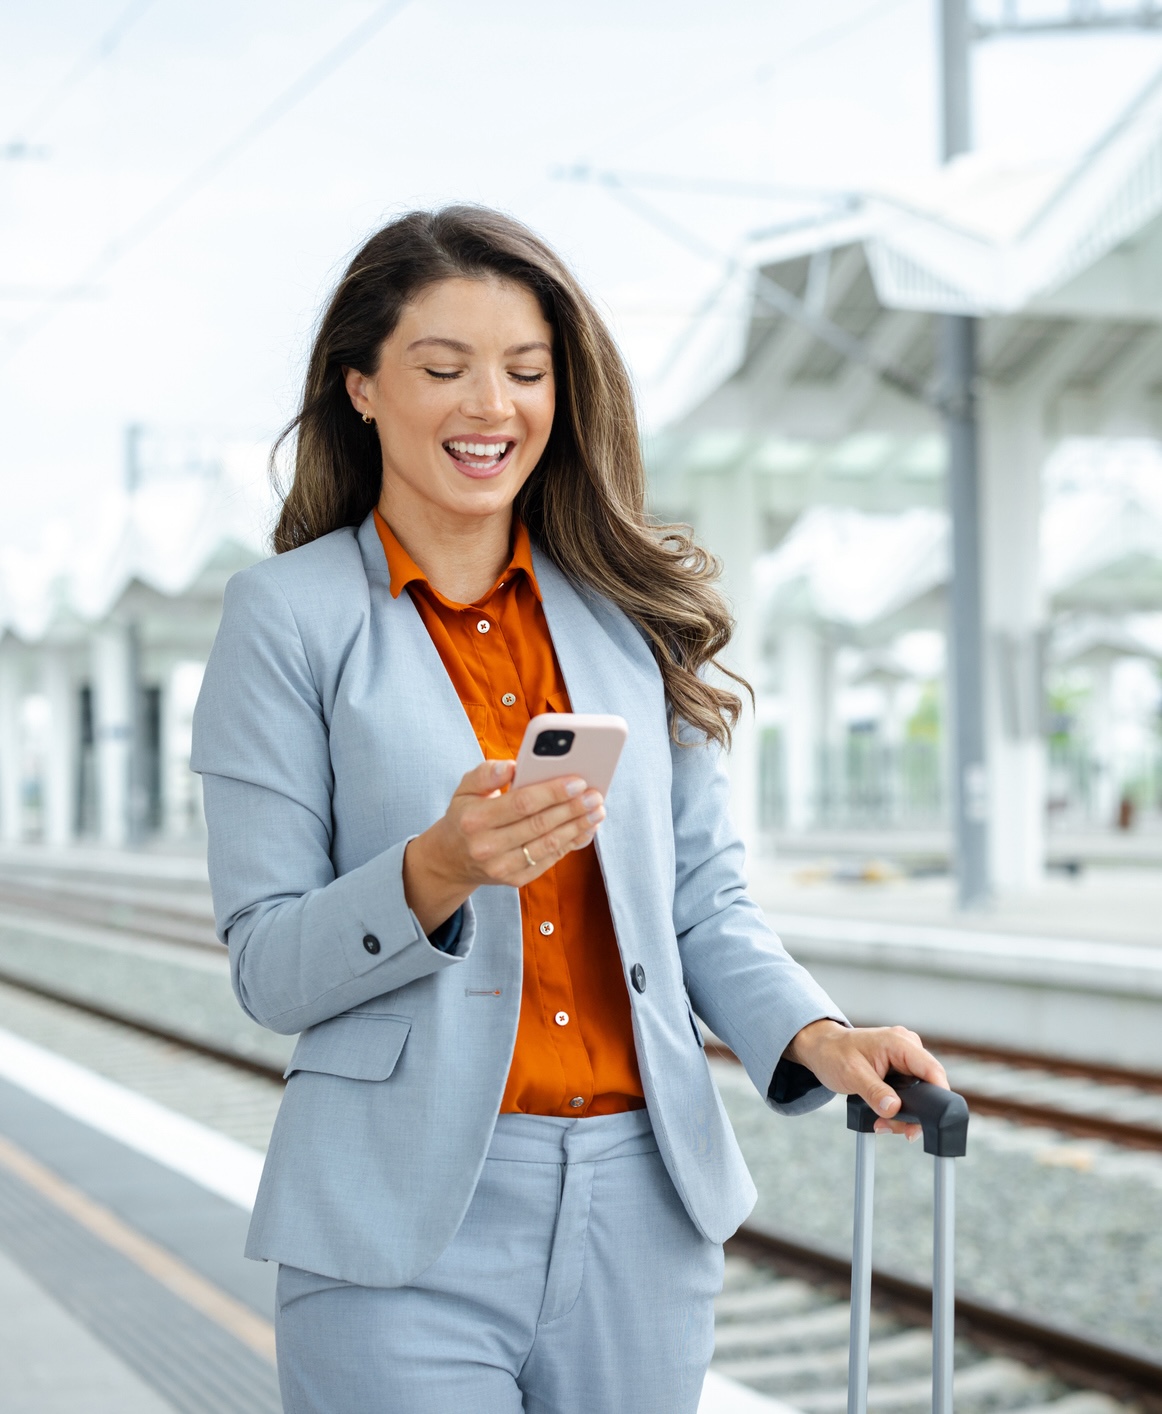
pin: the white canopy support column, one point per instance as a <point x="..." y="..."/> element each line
<point x="1103" y="799"/>
<point x="113" y="693"/>
<point x="11" y="782"/>
<point x="801" y="671"/>
<point x="62" y="748"/>
<point x="1014" y="612"/>
<point x="181" y="789"/>
<point x="729" y="523"/>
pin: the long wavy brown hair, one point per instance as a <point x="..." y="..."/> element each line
<point x="585" y="502"/>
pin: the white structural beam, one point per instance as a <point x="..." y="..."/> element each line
<point x="62" y="747"/>
<point x="11" y="765"/>
<point x="801" y="670"/>
<point x="1101" y="726"/>
<point x="1129" y="402"/>
<point x="113" y="709"/>
<point x="1014" y="418"/>
<point x="1014" y="613"/>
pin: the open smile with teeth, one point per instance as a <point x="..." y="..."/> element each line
<point x="480" y="456"/>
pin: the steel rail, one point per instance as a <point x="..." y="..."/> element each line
<point x="145" y="919"/>
<point x="1073" y="1357"/>
<point x="1054" y="1065"/>
<point x="1076" y="1123"/>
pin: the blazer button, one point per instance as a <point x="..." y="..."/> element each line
<point x="371" y="942"/>
<point x="637" y="975"/>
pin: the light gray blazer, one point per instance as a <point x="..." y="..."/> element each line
<point x="327" y="735"/>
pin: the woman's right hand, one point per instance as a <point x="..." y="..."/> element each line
<point x="483" y="835"/>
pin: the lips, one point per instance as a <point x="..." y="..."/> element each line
<point x="480" y="457"/>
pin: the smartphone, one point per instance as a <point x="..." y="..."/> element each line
<point x="584" y="744"/>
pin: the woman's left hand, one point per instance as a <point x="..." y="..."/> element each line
<point x="854" y="1061"/>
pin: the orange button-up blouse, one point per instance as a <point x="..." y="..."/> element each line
<point x="574" y="1053"/>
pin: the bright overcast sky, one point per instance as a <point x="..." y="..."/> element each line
<point x="203" y="322"/>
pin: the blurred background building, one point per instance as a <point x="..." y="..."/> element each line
<point x="103" y="647"/>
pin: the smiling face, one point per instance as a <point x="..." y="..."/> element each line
<point x="463" y="401"/>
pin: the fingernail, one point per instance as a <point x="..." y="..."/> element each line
<point x="592" y="800"/>
<point x="885" y="1104"/>
<point x="912" y="1138"/>
<point x="595" y="817"/>
<point x="499" y="768"/>
<point x="881" y="1128"/>
<point x="575" y="787"/>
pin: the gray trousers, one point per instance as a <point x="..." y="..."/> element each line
<point x="576" y="1284"/>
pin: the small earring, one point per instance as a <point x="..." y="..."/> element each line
<point x="368" y="418"/>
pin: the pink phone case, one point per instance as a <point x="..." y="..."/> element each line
<point x="592" y="752"/>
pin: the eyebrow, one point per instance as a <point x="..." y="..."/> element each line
<point x="458" y="347"/>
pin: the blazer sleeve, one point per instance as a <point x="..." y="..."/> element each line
<point x="304" y="944"/>
<point x="740" y="978"/>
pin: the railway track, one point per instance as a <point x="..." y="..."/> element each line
<point x="781" y="1326"/>
<point x="1076" y="1098"/>
<point x="1086" y="1102"/>
<point x="163" y="911"/>
<point x="781" y="1321"/>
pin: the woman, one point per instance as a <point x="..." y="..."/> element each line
<point x="501" y="1174"/>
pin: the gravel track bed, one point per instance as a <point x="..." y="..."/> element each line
<point x="1067" y="1231"/>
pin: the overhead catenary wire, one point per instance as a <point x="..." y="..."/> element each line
<point x="21" y="144"/>
<point x="206" y="171"/>
<point x="714" y="186"/>
<point x="727" y="88"/>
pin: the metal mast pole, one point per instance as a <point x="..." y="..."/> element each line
<point x="957" y="353"/>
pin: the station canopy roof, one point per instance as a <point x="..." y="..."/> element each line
<point x="1061" y="260"/>
<point x="868" y="576"/>
<point x="178" y="537"/>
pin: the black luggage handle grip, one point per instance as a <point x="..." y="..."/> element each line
<point x="942" y="1113"/>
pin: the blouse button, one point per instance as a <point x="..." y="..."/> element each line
<point x="577" y="1102"/>
<point x="483" y="626"/>
<point x="546" y="929"/>
<point x="562" y="1018"/>
<point x="509" y="698"/>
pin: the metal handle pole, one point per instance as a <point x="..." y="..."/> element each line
<point x="943" y="1284"/>
<point x="861" y="1274"/>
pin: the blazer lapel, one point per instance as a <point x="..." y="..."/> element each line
<point x="607" y="669"/>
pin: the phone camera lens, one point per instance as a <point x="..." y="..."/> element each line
<point x="553" y="743"/>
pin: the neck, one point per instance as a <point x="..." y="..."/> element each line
<point x="461" y="557"/>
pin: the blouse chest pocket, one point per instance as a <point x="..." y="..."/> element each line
<point x="359" y="1046"/>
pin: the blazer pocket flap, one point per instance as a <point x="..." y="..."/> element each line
<point x="359" y="1047"/>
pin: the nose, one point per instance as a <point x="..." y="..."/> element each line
<point x="488" y="398"/>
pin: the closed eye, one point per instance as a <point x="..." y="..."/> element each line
<point x="446" y="376"/>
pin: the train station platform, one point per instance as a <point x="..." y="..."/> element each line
<point x="865" y="877"/>
<point x="122" y="1282"/>
<point x="1072" y="970"/>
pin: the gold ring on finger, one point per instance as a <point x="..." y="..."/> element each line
<point x="529" y="860"/>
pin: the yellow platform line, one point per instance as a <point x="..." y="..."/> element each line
<point x="211" y="1301"/>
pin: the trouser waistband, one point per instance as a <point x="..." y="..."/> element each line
<point x="552" y="1139"/>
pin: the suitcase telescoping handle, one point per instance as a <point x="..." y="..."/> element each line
<point x="944" y="1117"/>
